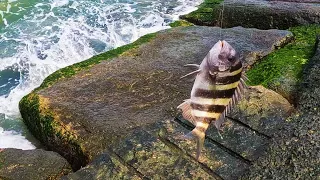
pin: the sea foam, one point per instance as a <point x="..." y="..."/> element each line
<point x="50" y="35"/>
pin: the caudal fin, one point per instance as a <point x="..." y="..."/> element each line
<point x="199" y="136"/>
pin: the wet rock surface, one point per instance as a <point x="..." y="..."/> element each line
<point x="119" y="115"/>
<point x="16" y="164"/>
<point x="105" y="166"/>
<point x="263" y="110"/>
<point x="295" y="151"/>
<point x="262" y="14"/>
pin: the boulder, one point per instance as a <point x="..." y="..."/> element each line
<point x="263" y="110"/>
<point x="295" y="151"/>
<point x="114" y="106"/>
<point x="16" y="164"/>
<point x="261" y="14"/>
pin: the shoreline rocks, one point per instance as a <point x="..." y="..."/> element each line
<point x="107" y="105"/>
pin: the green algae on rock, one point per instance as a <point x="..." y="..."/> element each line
<point x="281" y="70"/>
<point x="46" y="127"/>
<point x="263" y="110"/>
<point x="148" y="154"/>
<point x="207" y="13"/>
<point x="180" y="23"/>
<point x="215" y="159"/>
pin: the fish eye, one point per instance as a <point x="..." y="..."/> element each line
<point x="231" y="58"/>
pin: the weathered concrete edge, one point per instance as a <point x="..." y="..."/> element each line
<point x="44" y="125"/>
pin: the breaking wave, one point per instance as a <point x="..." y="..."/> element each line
<point x="38" y="37"/>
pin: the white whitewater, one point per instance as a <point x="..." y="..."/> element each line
<point x="38" y="37"/>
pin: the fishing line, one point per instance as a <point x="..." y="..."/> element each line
<point x="221" y="20"/>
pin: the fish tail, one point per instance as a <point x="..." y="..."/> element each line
<point x="200" y="142"/>
<point x="198" y="133"/>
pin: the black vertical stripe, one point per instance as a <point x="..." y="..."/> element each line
<point x="237" y="66"/>
<point x="228" y="79"/>
<point x="208" y="108"/>
<point x="213" y="94"/>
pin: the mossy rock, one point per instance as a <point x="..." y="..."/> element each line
<point x="281" y="70"/>
<point x="261" y="14"/>
<point x="47" y="127"/>
<point x="155" y="159"/>
<point x="180" y="23"/>
<point x="207" y="13"/>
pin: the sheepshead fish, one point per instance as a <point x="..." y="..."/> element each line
<point x="218" y="85"/>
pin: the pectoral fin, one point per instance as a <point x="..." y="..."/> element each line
<point x="192" y="73"/>
<point x="192" y="65"/>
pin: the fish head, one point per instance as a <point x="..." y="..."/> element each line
<point x="222" y="57"/>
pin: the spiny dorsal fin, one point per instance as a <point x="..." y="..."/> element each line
<point x="187" y="111"/>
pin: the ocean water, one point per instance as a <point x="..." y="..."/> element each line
<point x="38" y="37"/>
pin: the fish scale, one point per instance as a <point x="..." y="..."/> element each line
<point x="217" y="87"/>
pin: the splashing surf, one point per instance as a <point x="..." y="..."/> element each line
<point x="38" y="37"/>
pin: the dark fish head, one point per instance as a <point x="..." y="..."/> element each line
<point x="222" y="56"/>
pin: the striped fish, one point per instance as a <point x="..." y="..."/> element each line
<point x="218" y="85"/>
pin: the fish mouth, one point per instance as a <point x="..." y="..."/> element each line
<point x="221" y="43"/>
